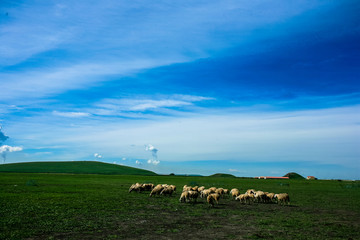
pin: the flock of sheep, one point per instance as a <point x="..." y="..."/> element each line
<point x="213" y="194"/>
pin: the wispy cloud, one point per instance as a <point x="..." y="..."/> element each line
<point x="35" y="84"/>
<point x="71" y="114"/>
<point x="141" y="104"/>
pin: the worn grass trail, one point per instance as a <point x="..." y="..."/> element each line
<point x="62" y="206"/>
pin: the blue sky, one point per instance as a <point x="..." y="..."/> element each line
<point x="242" y="87"/>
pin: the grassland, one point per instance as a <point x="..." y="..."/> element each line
<point x="64" y="206"/>
<point x="74" y="167"/>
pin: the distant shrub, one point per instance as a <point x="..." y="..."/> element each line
<point x="31" y="182"/>
<point x="193" y="184"/>
<point x="284" y="184"/>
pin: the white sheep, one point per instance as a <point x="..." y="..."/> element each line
<point x="282" y="198"/>
<point x="220" y="191"/>
<point x="135" y="187"/>
<point x="260" y="196"/>
<point x="212" y="189"/>
<point x="269" y="197"/>
<point x="205" y="193"/>
<point x="245" y="198"/>
<point x="184" y="196"/>
<point x="234" y="192"/>
<point x="173" y="187"/>
<point x="212" y="198"/>
<point x="193" y="195"/>
<point x="167" y="191"/>
<point x="157" y="190"/>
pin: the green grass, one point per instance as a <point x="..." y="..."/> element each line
<point x="75" y="167"/>
<point x="64" y="206"/>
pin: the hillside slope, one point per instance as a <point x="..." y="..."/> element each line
<point x="75" y="167"/>
<point x="293" y="175"/>
<point x="222" y="175"/>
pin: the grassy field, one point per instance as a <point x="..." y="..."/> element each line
<point x="65" y="206"/>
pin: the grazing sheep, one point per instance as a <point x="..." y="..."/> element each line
<point x="157" y="190"/>
<point x="185" y="187"/>
<point x="167" y="191"/>
<point x="245" y="198"/>
<point x="147" y="186"/>
<point x="260" y="196"/>
<point x="194" y="188"/>
<point x="249" y="191"/>
<point x="200" y="189"/>
<point x="184" y="196"/>
<point x="220" y="191"/>
<point x="226" y="191"/>
<point x="193" y="195"/>
<point x="212" y="189"/>
<point x="212" y="198"/>
<point x="234" y="192"/>
<point x="131" y="188"/>
<point x="241" y="198"/>
<point x="205" y="193"/>
<point x="173" y="187"/>
<point x="282" y="198"/>
<point x="135" y="187"/>
<point x="270" y="197"/>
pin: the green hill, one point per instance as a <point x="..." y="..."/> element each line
<point x="222" y="175"/>
<point x="293" y="175"/>
<point x="75" y="167"/>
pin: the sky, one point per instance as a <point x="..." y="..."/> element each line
<point x="249" y="88"/>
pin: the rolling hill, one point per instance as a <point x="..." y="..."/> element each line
<point x="222" y="175"/>
<point x="74" y="167"/>
<point x="293" y="175"/>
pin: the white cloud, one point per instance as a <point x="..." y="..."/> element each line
<point x="7" y="148"/>
<point x="4" y="149"/>
<point x="97" y="155"/>
<point x="50" y="81"/>
<point x="153" y="161"/>
<point x="138" y="162"/>
<point x="71" y="114"/>
<point x="141" y="104"/>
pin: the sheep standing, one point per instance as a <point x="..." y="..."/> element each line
<point x="135" y="187"/>
<point x="184" y="196"/>
<point x="226" y="192"/>
<point x="193" y="195"/>
<point x="234" y="192"/>
<point x="260" y="196"/>
<point x="205" y="193"/>
<point x="167" y="191"/>
<point x="157" y="190"/>
<point x="241" y="198"/>
<point x="270" y="197"/>
<point x="147" y="186"/>
<point x="282" y="198"/>
<point x="250" y="191"/>
<point x="212" y="198"/>
<point x="212" y="189"/>
<point x="220" y="191"/>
